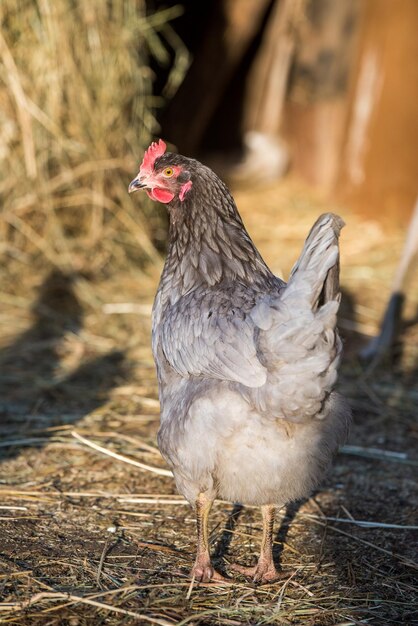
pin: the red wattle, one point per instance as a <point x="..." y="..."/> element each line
<point x="162" y="195"/>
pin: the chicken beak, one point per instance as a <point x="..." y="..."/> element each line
<point x="136" y="184"/>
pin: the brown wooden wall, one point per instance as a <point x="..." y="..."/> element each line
<point x="378" y="170"/>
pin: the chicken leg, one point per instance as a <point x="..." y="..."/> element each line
<point x="265" y="571"/>
<point x="202" y="569"/>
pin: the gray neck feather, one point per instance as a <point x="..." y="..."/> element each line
<point x="208" y="243"/>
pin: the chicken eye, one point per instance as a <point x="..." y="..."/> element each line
<point x="168" y="172"/>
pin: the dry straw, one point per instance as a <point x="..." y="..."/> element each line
<point x="76" y="110"/>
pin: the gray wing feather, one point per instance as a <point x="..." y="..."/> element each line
<point x="205" y="334"/>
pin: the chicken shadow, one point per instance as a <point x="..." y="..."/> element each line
<point x="35" y="394"/>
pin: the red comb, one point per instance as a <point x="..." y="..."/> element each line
<point x="154" y="151"/>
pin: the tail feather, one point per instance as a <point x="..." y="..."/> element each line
<point x="298" y="337"/>
<point x="316" y="272"/>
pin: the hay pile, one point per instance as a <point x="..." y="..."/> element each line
<point x="76" y="110"/>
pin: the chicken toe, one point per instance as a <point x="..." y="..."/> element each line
<point x="204" y="572"/>
<point x="263" y="572"/>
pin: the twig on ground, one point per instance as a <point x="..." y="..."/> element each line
<point x="360" y="523"/>
<point x="376" y="453"/>
<point x="120" y="457"/>
<point x="283" y="589"/>
<point x="399" y="557"/>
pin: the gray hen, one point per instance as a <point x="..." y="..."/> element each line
<point x="246" y="363"/>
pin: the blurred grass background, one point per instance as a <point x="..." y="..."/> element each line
<point x="76" y="108"/>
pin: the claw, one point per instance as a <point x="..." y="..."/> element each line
<point x="260" y="573"/>
<point x="204" y="572"/>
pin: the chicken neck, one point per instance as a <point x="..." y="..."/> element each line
<point x="208" y="243"/>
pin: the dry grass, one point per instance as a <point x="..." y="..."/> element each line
<point x="89" y="539"/>
<point x="76" y="110"/>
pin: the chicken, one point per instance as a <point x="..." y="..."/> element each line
<point x="246" y="363"/>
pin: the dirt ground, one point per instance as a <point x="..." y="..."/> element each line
<point x="91" y="539"/>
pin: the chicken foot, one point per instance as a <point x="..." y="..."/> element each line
<point x="265" y="571"/>
<point x="203" y="570"/>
